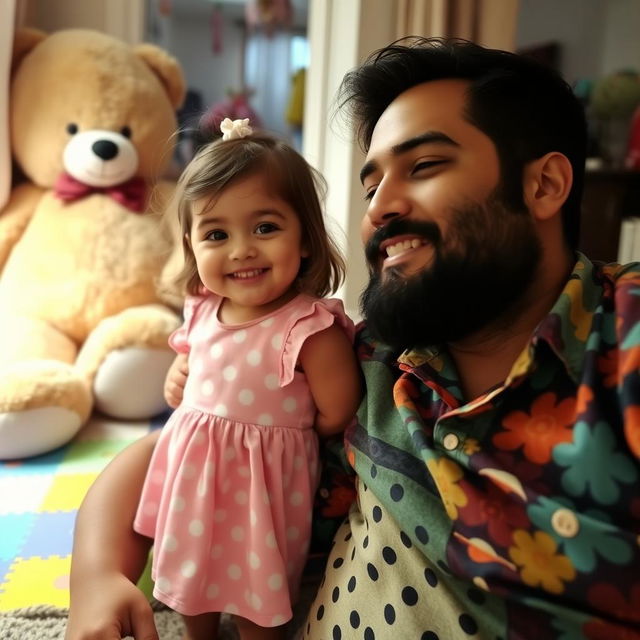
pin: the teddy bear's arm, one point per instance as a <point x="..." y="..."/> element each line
<point x="15" y="217"/>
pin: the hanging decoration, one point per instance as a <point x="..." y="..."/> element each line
<point x="164" y="8"/>
<point x="268" y="14"/>
<point x="216" y="24"/>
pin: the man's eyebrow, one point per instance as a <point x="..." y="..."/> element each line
<point x="429" y="137"/>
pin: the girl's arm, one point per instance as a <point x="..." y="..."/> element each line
<point x="109" y="556"/>
<point x="176" y="379"/>
<point x="334" y="378"/>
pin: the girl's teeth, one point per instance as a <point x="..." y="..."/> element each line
<point x="247" y="274"/>
<point x="399" y="247"/>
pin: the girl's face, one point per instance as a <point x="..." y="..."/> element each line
<point x="247" y="244"/>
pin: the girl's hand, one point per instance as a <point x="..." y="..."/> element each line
<point x="110" y="607"/>
<point x="175" y="381"/>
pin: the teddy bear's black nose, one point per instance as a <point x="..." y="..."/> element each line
<point x="105" y="149"/>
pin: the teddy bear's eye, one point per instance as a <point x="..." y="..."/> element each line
<point x="126" y="132"/>
<point x="72" y="128"/>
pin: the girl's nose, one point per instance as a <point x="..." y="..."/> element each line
<point x="243" y="249"/>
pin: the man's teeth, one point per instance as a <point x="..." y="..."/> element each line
<point x="399" y="247"/>
<point x="247" y="274"/>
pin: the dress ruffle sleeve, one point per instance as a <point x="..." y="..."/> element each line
<point x="320" y="315"/>
<point x="179" y="339"/>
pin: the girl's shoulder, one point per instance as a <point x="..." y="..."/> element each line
<point x="309" y="316"/>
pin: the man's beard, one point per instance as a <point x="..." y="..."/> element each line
<point x="479" y="273"/>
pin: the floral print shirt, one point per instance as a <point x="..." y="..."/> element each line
<point x="537" y="482"/>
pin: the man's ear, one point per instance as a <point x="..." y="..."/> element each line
<point x="546" y="184"/>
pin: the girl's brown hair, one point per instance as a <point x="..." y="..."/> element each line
<point x="221" y="163"/>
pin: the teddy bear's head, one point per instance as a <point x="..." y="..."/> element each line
<point x="89" y="105"/>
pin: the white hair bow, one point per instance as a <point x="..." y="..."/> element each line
<point x="232" y="129"/>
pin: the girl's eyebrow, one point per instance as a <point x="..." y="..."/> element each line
<point x="429" y="137"/>
<point x="203" y="219"/>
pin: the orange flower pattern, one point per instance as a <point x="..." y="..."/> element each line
<point x="540" y="430"/>
<point x="531" y="492"/>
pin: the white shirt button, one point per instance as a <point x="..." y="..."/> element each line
<point x="565" y="523"/>
<point x="450" y="441"/>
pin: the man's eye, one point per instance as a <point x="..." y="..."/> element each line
<point x="427" y="164"/>
<point x="266" y="227"/>
<point x="216" y="234"/>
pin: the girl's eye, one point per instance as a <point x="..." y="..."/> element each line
<point x="216" y="234"/>
<point x="369" y="195"/>
<point x="266" y="227"/>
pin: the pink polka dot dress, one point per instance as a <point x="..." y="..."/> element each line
<point x="230" y="486"/>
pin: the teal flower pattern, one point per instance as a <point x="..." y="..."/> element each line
<point x="593" y="463"/>
<point x="595" y="535"/>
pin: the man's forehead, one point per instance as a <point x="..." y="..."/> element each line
<point x="437" y="105"/>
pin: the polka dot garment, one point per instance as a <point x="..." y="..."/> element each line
<point x="377" y="587"/>
<point x="229" y="490"/>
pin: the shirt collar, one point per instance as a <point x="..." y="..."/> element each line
<point x="565" y="329"/>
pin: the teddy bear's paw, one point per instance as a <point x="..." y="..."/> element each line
<point x="129" y="383"/>
<point x="30" y="433"/>
<point x="43" y="404"/>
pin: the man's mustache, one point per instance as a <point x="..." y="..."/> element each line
<point x="428" y="230"/>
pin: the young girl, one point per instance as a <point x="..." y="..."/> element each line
<point x="229" y="490"/>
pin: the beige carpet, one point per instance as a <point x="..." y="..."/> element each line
<point x="49" y="623"/>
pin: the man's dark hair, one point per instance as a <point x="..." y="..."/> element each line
<point x="525" y="108"/>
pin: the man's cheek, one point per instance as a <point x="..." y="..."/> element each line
<point x="366" y="230"/>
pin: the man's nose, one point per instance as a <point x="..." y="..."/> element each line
<point x="388" y="202"/>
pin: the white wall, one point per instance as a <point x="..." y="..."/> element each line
<point x="576" y="24"/>
<point x="621" y="48"/>
<point x="188" y="38"/>
<point x="597" y="36"/>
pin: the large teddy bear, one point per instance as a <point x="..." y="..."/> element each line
<point x="84" y="321"/>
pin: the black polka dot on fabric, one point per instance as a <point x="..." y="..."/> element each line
<point x="475" y="595"/>
<point x="389" y="614"/>
<point x="409" y="596"/>
<point x="389" y="555"/>
<point x="365" y="542"/>
<point x="372" y="571"/>
<point x="365" y="487"/>
<point x="406" y="540"/>
<point x="337" y="633"/>
<point x="308" y="627"/>
<point x="374" y="471"/>
<point x="353" y="554"/>
<point x="421" y="534"/>
<point x="368" y="634"/>
<point x="337" y="563"/>
<point x="347" y="537"/>
<point x="377" y="513"/>
<point x="429" y="635"/>
<point x="468" y="624"/>
<point x="352" y="584"/>
<point x="431" y="577"/>
<point x="396" y="492"/>
<point x="320" y="612"/>
<point x="335" y="595"/>
<point x="354" y="619"/>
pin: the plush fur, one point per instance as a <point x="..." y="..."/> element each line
<point x="83" y="321"/>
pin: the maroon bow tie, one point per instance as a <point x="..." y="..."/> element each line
<point x="130" y="194"/>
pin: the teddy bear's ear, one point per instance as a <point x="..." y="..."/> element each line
<point x="166" y="67"/>
<point x="24" y="40"/>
